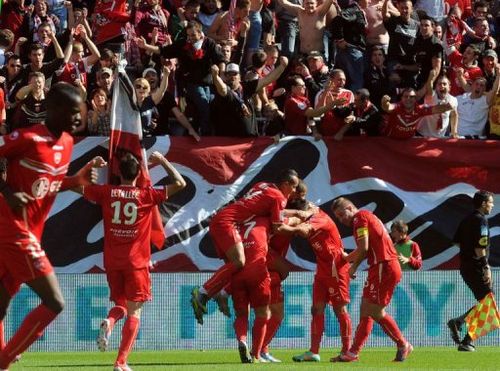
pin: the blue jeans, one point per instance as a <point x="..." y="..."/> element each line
<point x="351" y="60"/>
<point x="201" y="97"/>
<point x="255" y="32"/>
<point x="288" y="31"/>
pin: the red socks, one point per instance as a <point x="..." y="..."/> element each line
<point x="345" y="330"/>
<point x="273" y="324"/>
<point x="30" y="330"/>
<point x="241" y="327"/>
<point x="363" y="330"/>
<point x="317" y="329"/>
<point x="129" y="333"/>
<point x="392" y="330"/>
<point x="220" y="279"/>
<point x="258" y="334"/>
<point x="115" y="314"/>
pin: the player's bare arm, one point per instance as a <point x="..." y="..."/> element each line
<point x="87" y="175"/>
<point x="15" y="200"/>
<point x="156" y="158"/>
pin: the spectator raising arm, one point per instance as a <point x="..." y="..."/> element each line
<point x="158" y="94"/>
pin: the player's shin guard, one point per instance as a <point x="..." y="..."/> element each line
<point x="241" y="327"/>
<point x="115" y="314"/>
<point x="129" y="333"/>
<point x="2" y="336"/>
<point x="363" y="330"/>
<point x="273" y="324"/>
<point x="220" y="279"/>
<point x="392" y="330"/>
<point x="345" y="330"/>
<point x="317" y="329"/>
<point x="30" y="330"/>
<point x="258" y="334"/>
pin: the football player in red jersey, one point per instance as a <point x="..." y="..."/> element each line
<point x="384" y="273"/>
<point x="252" y="286"/>
<point x="38" y="159"/>
<point x="331" y="282"/>
<point x="263" y="199"/>
<point x="127" y="214"/>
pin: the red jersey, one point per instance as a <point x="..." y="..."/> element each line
<point x="69" y="72"/>
<point x="296" y="121"/>
<point x="263" y="199"/>
<point x="403" y="124"/>
<point x="380" y="247"/>
<point x="326" y="243"/>
<point x="470" y="73"/>
<point x="330" y="123"/>
<point x="127" y="215"/>
<point x="255" y="235"/>
<point x="110" y="19"/>
<point x="37" y="165"/>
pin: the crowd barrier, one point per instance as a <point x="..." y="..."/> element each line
<point x="422" y="304"/>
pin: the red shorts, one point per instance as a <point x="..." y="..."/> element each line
<point x="332" y="290"/>
<point x="129" y="285"/>
<point x="277" y="296"/>
<point x="381" y="281"/>
<point x="22" y="261"/>
<point x="252" y="285"/>
<point x="224" y="235"/>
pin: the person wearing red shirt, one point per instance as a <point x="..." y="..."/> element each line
<point x="468" y="62"/>
<point x="384" y="273"/>
<point x="127" y="214"/>
<point x="404" y="116"/>
<point x="263" y="199"/>
<point x="335" y="94"/>
<point x="331" y="282"/>
<point x="409" y="255"/>
<point x="38" y="159"/>
<point x="298" y="110"/>
<point x="252" y="286"/>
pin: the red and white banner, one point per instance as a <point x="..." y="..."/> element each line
<point x="428" y="183"/>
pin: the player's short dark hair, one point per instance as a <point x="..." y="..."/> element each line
<point x="129" y="166"/>
<point x="298" y="204"/>
<point x="400" y="226"/>
<point x="480" y="197"/>
<point x="60" y="95"/>
<point x="340" y="202"/>
<point x="286" y="176"/>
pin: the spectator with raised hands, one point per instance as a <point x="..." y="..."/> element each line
<point x="38" y="15"/>
<point x="147" y="101"/>
<point x="228" y="27"/>
<point x="148" y="16"/>
<point x="196" y="55"/>
<point x="99" y="117"/>
<point x="76" y="65"/>
<point x="311" y="21"/>
<point x="31" y="108"/>
<point x="473" y="107"/>
<point x="37" y="64"/>
<point x="76" y="17"/>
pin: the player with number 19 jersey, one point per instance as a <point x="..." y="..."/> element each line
<point x="263" y="199"/>
<point x="127" y="213"/>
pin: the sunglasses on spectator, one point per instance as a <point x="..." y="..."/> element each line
<point x="141" y="87"/>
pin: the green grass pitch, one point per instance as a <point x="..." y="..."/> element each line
<point x="436" y="358"/>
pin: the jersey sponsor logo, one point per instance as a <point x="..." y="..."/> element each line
<point x="43" y="186"/>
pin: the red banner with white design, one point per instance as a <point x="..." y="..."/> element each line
<point x="426" y="182"/>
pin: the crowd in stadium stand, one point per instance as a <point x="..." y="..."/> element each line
<point x="244" y="68"/>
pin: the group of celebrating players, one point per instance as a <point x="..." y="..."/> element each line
<point x="38" y="160"/>
<point x="252" y="235"/>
